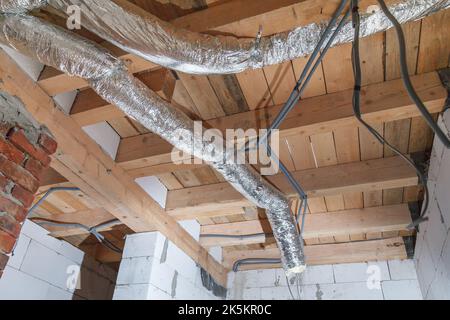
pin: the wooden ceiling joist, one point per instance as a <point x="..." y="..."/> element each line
<point x="373" y="250"/>
<point x="85" y="164"/>
<point x="374" y="219"/>
<point x="360" y="176"/>
<point x="386" y="101"/>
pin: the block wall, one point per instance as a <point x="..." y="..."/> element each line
<point x="153" y="268"/>
<point x="383" y="280"/>
<point x="45" y="268"/>
<point x="432" y="253"/>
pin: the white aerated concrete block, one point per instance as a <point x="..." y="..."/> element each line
<point x="440" y="286"/>
<point x="105" y="136"/>
<point x="46" y="264"/>
<point x="162" y="276"/>
<point x="426" y="270"/>
<point x="402" y="269"/>
<point x="140" y="245"/>
<point x="15" y="261"/>
<point x="192" y="227"/>
<point x="135" y="270"/>
<point x="154" y="188"/>
<point x="256" y="278"/>
<point x="216" y="253"/>
<point x="18" y="285"/>
<point x="155" y="293"/>
<point x="401" y="290"/>
<point x="132" y="292"/>
<point x="54" y="293"/>
<point x="313" y="274"/>
<point x="250" y="294"/>
<point x="356" y="272"/>
<point x="278" y="293"/>
<point x="341" y="291"/>
<point x="436" y="231"/>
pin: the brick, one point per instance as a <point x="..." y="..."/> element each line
<point x="23" y="195"/>
<point x="48" y="143"/>
<point x="3" y="261"/>
<point x="35" y="168"/>
<point x="14" y="210"/>
<point x="10" y="151"/>
<point x="7" y="242"/>
<point x="9" y="224"/>
<point x="18" y="174"/>
<point x="19" y="139"/>
<point x="3" y="183"/>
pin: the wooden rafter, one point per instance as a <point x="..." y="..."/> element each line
<point x="84" y="163"/>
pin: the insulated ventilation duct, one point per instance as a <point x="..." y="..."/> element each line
<point x="137" y="31"/>
<point x="107" y="75"/>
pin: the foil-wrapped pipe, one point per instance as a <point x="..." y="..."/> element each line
<point x="20" y="6"/>
<point x="138" y="32"/>
<point x="106" y="74"/>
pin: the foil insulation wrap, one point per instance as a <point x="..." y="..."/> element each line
<point x="143" y="34"/>
<point x="20" y="6"/>
<point x="106" y="74"/>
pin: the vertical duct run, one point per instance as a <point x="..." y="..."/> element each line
<point x="76" y="56"/>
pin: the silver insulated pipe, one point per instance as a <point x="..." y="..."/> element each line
<point x="137" y="31"/>
<point x="107" y="75"/>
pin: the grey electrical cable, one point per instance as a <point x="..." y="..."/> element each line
<point x="357" y="112"/>
<point x="234" y="236"/>
<point x="92" y="230"/>
<point x="254" y="261"/>
<point x="47" y="193"/>
<point x="406" y="79"/>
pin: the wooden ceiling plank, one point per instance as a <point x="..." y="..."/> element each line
<point x="356" y="176"/>
<point x="340" y="223"/>
<point x="351" y="252"/>
<point x="381" y="101"/>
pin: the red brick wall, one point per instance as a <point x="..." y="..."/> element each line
<point x="22" y="161"/>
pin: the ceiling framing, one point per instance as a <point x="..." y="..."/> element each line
<point x="358" y="191"/>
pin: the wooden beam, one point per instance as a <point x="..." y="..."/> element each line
<point x="350" y="252"/>
<point x="360" y="176"/>
<point x="87" y="166"/>
<point x="374" y="219"/>
<point x="386" y="101"/>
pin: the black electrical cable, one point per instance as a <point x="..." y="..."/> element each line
<point x="290" y="103"/>
<point x="297" y="92"/>
<point x="357" y="112"/>
<point x="407" y="81"/>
